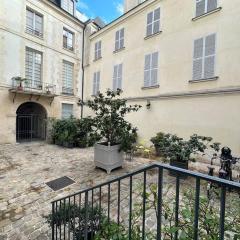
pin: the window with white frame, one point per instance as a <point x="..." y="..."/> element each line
<point x="96" y="83"/>
<point x="98" y="50"/>
<point x="68" y="38"/>
<point x="34" y="23"/>
<point x="119" y="39"/>
<point x="33" y="68"/>
<point x="67" y="75"/>
<point x="151" y="70"/>
<point x="205" y="6"/>
<point x="117" y="77"/>
<point x="68" y="6"/>
<point x="67" y="110"/>
<point x="204" y="57"/>
<point x="153" y="22"/>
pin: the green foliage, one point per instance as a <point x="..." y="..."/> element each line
<point x="110" y="111"/>
<point x="74" y="132"/>
<point x="175" y="148"/>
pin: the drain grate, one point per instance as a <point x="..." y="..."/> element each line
<point x="60" y="183"/>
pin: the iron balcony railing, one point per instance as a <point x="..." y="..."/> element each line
<point x="33" y="86"/>
<point x="120" y="200"/>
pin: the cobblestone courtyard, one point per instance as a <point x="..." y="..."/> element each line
<point x="24" y="196"/>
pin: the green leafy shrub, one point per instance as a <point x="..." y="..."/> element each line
<point x="110" y="111"/>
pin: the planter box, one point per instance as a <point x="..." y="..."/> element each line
<point x="178" y="164"/>
<point x="107" y="157"/>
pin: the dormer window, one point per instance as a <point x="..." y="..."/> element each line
<point x="68" y="6"/>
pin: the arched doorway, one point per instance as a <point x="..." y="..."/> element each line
<point x="31" y="122"/>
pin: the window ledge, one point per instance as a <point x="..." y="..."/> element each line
<point x="206" y="14"/>
<point x="119" y="50"/>
<point x="152" y="35"/>
<point x="97" y="59"/>
<point x="69" y="50"/>
<point x="204" y="80"/>
<point x="151" y="87"/>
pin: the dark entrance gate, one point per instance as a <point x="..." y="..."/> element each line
<point x="30" y="122"/>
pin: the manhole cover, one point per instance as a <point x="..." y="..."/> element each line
<point x="60" y="183"/>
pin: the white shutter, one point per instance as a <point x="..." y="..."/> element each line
<point x="67" y="77"/>
<point x="198" y="59"/>
<point x="211" y="5"/>
<point x="147" y="71"/>
<point x="98" y="83"/>
<point x="200" y="7"/>
<point x="149" y="23"/>
<point x="30" y="19"/>
<point x="117" y="41"/>
<point x="96" y="50"/>
<point x="119" y="81"/>
<point x="154" y="69"/>
<point x="156" y="25"/>
<point x="121" y="44"/>
<point x="94" y="84"/>
<point x="39" y="24"/>
<point x="210" y="51"/>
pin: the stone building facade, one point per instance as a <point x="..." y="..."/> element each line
<point x="179" y="60"/>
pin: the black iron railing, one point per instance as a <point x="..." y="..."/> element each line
<point x="118" y="202"/>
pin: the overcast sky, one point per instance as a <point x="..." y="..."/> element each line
<point x="108" y="10"/>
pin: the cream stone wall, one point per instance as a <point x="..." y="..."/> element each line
<point x="13" y="42"/>
<point x="178" y="106"/>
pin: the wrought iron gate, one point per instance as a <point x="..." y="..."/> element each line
<point x="30" y="127"/>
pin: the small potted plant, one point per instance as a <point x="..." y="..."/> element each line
<point x="116" y="133"/>
<point x="48" y="89"/>
<point x="20" y="82"/>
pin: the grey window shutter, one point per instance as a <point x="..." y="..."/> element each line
<point x="38" y="23"/>
<point x="210" y="51"/>
<point x="198" y="59"/>
<point x="94" y="84"/>
<point x="119" y="82"/>
<point x="30" y="18"/>
<point x="149" y="23"/>
<point x="156" y="25"/>
<point x="96" y="50"/>
<point x="211" y="5"/>
<point x="121" y="44"/>
<point x="117" y="40"/>
<point x="200" y="7"/>
<point x="147" y="71"/>
<point x="115" y="72"/>
<point x="99" y="49"/>
<point x="98" y="83"/>
<point x="154" y="69"/>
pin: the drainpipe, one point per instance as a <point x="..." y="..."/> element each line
<point x="83" y="47"/>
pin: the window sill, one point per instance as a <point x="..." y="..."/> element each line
<point x="151" y="87"/>
<point x="206" y="14"/>
<point x="67" y="94"/>
<point x="204" y="80"/>
<point x="119" y="50"/>
<point x="69" y="50"/>
<point x="95" y="60"/>
<point x="153" y="35"/>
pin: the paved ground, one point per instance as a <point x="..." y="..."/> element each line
<point x="24" y="196"/>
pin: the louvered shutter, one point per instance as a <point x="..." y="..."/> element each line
<point x="119" y="80"/>
<point x="67" y="77"/>
<point x="211" y="5"/>
<point x="156" y="25"/>
<point x="115" y="72"/>
<point x="147" y="71"/>
<point x="149" y="23"/>
<point x="117" y="41"/>
<point x="200" y="7"/>
<point x="198" y="59"/>
<point x="154" y="69"/>
<point x="94" y="84"/>
<point x="99" y="49"/>
<point x="210" y="51"/>
<point x="96" y="50"/>
<point x="98" y="83"/>
<point x="121" y="44"/>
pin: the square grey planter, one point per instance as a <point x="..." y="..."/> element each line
<point x="107" y="157"/>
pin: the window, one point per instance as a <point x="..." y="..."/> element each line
<point x="67" y="110"/>
<point x="204" y="57"/>
<point x="151" y="70"/>
<point x="98" y="50"/>
<point x="117" y="77"/>
<point x="205" y="6"/>
<point x="96" y="83"/>
<point x="119" y="39"/>
<point x="68" y="6"/>
<point x="34" y="23"/>
<point x="153" y="22"/>
<point x="67" y="87"/>
<point x="33" y="68"/>
<point x="68" y="39"/>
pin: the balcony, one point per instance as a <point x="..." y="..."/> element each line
<point x="156" y="202"/>
<point x="32" y="88"/>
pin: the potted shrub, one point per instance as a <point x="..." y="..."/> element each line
<point x="116" y="133"/>
<point x="159" y="143"/>
<point x="20" y="81"/>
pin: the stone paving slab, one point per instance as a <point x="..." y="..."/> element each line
<point x="24" y="196"/>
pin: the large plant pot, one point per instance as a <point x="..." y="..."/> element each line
<point x="178" y="164"/>
<point x="107" y="157"/>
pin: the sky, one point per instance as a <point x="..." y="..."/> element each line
<point x="108" y="10"/>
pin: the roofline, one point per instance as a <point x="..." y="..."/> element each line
<point x="124" y="16"/>
<point x="65" y="12"/>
